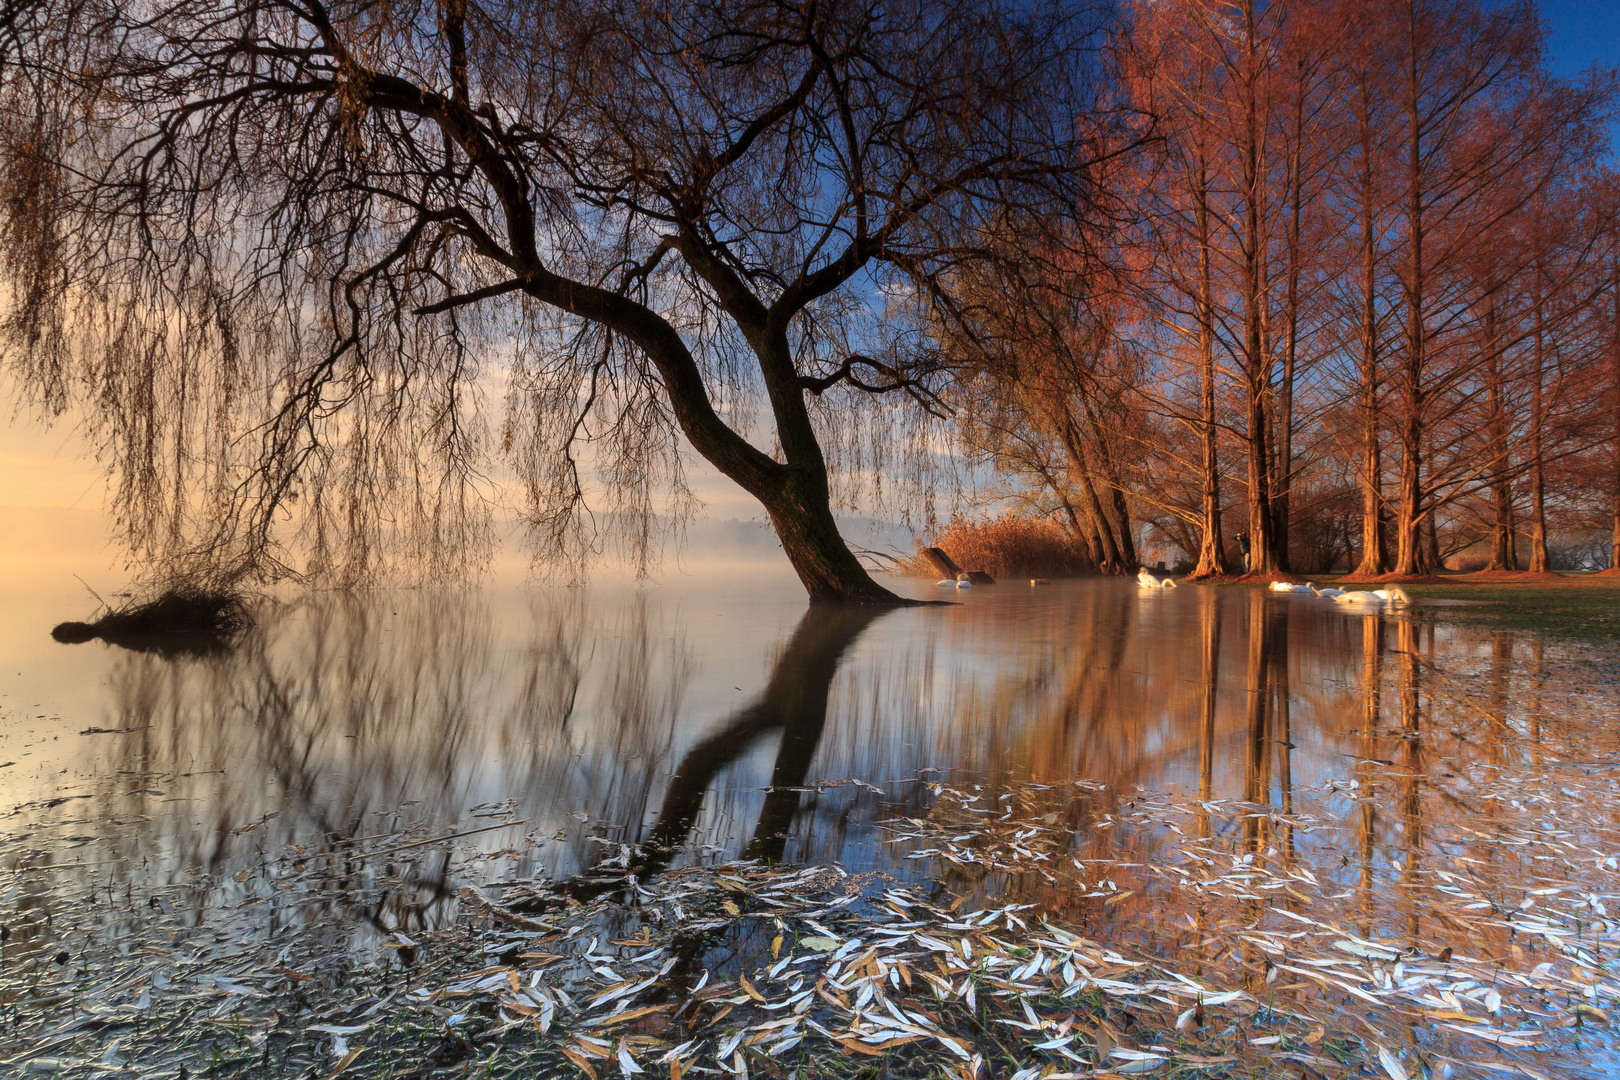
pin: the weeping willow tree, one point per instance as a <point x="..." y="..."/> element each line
<point x="322" y="276"/>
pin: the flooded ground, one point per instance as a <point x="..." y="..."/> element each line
<point x="1365" y="839"/>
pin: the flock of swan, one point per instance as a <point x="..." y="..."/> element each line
<point x="1146" y="580"/>
<point x="1393" y="595"/>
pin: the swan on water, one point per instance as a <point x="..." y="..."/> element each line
<point x="963" y="582"/>
<point x="1392" y="595"/>
<point x="1284" y="586"/>
<point x="946" y="583"/>
<point x="1146" y="580"/>
<point x="1329" y="594"/>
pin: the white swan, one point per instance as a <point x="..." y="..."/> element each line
<point x="1393" y="595"/>
<point x="963" y="582"/>
<point x="946" y="583"/>
<point x="1146" y="580"/>
<point x="1284" y="586"/>
<point x="1329" y="594"/>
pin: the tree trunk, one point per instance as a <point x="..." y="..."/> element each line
<point x="1409" y="497"/>
<point x="1211" y="552"/>
<point x="1116" y="489"/>
<point x="1374" y="555"/>
<point x="801" y="513"/>
<point x="1539" y="562"/>
<point x="1257" y="375"/>
<point x="1109" y="559"/>
<point x="796" y="492"/>
<point x="798" y="496"/>
<point x="1281" y="494"/>
<point x="1504" y="550"/>
<point x="1614" y="411"/>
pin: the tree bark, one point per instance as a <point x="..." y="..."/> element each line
<point x="1211" y="552"/>
<point x="1281" y="493"/>
<point x="1409" y="555"/>
<point x="1116" y="490"/>
<point x="1109" y="557"/>
<point x="1374" y="554"/>
<point x="1262" y="549"/>
<point x="1614" y="411"/>
<point x="1539" y="561"/>
<point x="1504" y="549"/>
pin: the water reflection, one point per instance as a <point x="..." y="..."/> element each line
<point x="696" y="726"/>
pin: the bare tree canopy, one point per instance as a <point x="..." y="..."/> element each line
<point x="315" y="268"/>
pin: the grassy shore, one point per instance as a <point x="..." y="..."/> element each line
<point x="1578" y="606"/>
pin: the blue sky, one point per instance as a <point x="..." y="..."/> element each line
<point x="1581" y="33"/>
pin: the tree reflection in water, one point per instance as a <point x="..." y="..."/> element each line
<point x="349" y="717"/>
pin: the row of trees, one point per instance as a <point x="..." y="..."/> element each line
<point x="1368" y="313"/>
<point x="324" y="280"/>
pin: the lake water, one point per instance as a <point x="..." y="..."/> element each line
<point x="680" y="712"/>
<point x="720" y="718"/>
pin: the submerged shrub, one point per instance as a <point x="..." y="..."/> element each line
<point x="1009" y="545"/>
<point x="184" y="618"/>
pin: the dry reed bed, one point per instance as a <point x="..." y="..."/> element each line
<point x="1008" y="546"/>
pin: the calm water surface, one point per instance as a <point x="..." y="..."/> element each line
<point x="693" y="714"/>
<point x="1414" y="772"/>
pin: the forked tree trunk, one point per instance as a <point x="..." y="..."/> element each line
<point x="1116" y="490"/>
<point x="1409" y="515"/>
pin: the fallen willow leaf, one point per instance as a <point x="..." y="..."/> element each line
<point x="579" y="1061"/>
<point x="348" y="1059"/>
<point x="1392" y="1064"/>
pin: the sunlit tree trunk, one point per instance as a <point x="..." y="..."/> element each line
<point x="1374" y="556"/>
<point x="1256" y="361"/>
<point x="1614" y="412"/>
<point x="1409" y="493"/>
<point x="1109" y="470"/>
<point x="1539" y="562"/>
<point x="1109" y="558"/>
<point x="1504" y="549"/>
<point x="1284" y="481"/>
<point x="1211" y="552"/>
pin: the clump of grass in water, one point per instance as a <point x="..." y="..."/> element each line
<point x="183" y="617"/>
